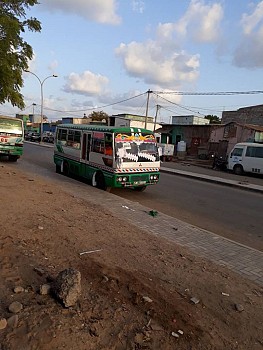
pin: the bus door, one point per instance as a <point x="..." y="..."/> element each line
<point x="86" y="144"/>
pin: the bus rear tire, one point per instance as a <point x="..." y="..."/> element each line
<point x="65" y="169"/>
<point x="12" y="158"/>
<point x="238" y="169"/>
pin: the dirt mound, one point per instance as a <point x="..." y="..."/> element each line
<point x="136" y="287"/>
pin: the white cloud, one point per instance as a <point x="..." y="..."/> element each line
<point x="201" y="22"/>
<point x="156" y="65"/>
<point x="87" y="83"/>
<point x="166" y="30"/>
<point x="250" y="22"/>
<point x="162" y="61"/>
<point x="138" y="6"/>
<point x="102" y="11"/>
<point x="249" y="52"/>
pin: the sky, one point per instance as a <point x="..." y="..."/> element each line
<point x="107" y="55"/>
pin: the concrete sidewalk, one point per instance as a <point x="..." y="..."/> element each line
<point x="242" y="259"/>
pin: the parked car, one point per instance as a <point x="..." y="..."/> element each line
<point x="48" y="137"/>
<point x="35" y="137"/>
<point x="28" y="135"/>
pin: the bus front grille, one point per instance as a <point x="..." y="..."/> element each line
<point x="140" y="177"/>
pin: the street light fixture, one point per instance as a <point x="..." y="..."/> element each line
<point x="41" y="82"/>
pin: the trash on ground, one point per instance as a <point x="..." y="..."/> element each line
<point x="194" y="300"/>
<point x="125" y="206"/>
<point x="239" y="307"/>
<point x="176" y="335"/>
<point x="225" y="294"/>
<point x="147" y="299"/>
<point x="90" y="251"/>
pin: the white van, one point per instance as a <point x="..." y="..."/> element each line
<point x="246" y="157"/>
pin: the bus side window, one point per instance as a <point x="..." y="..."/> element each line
<point x="108" y="145"/>
<point x="73" y="139"/>
<point x="98" y="143"/>
<point x="62" y="136"/>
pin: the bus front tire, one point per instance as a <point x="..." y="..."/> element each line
<point x="238" y="169"/>
<point x="12" y="158"/>
<point x="98" y="181"/>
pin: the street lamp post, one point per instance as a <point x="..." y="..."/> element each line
<point x="42" y="98"/>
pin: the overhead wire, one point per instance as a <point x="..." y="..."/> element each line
<point x="158" y="94"/>
<point x="94" y="108"/>
<point x="178" y="105"/>
<point x="219" y="93"/>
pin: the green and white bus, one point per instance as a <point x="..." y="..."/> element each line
<point x="11" y="137"/>
<point x="122" y="157"/>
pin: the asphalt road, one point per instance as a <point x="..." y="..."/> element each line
<point x="230" y="212"/>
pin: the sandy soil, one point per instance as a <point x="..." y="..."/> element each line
<point x="136" y="291"/>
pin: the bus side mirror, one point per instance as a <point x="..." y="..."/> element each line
<point x="231" y="155"/>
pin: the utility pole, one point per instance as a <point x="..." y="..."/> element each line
<point x="33" y="104"/>
<point x="41" y="82"/>
<point x="147" y="107"/>
<point x="155" y="119"/>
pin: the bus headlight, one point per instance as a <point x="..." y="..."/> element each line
<point x="123" y="179"/>
<point x="155" y="177"/>
<point x="151" y="177"/>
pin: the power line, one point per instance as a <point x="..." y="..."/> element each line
<point x="93" y="108"/>
<point x="176" y="104"/>
<point x="220" y="93"/>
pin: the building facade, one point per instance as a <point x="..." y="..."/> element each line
<point x="223" y="139"/>
<point x="71" y="120"/>
<point x="189" y="120"/>
<point x="246" y="115"/>
<point x="132" y="120"/>
<point x="196" y="137"/>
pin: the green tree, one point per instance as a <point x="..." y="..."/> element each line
<point x="99" y="116"/>
<point x="214" y="119"/>
<point x="15" y="52"/>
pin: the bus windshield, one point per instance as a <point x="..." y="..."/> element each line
<point x="136" y="148"/>
<point x="11" y="126"/>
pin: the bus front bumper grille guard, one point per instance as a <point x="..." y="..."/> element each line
<point x="137" y="180"/>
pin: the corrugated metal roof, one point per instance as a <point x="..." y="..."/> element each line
<point x="103" y="128"/>
<point x="248" y="126"/>
<point x="254" y="127"/>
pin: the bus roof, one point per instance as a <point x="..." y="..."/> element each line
<point x="10" y="118"/>
<point x="103" y="128"/>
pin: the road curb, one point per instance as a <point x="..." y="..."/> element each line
<point x="212" y="179"/>
<point x="40" y="144"/>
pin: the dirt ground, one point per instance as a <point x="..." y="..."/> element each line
<point x="136" y="289"/>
